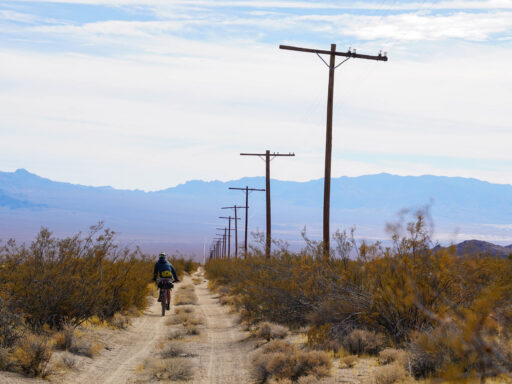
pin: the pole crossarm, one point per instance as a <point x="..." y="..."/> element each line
<point x="268" y="158"/>
<point x="350" y="54"/>
<point x="246" y="190"/>
<point x="264" y="154"/>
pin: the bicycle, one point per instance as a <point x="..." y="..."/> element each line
<point x="165" y="284"/>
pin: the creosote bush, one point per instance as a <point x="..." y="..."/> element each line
<point x="388" y="374"/>
<point x="270" y="331"/>
<point x="392" y="355"/>
<point x="282" y="360"/>
<point x="360" y="341"/>
<point x="175" y="369"/>
<point x="348" y="361"/>
<point x="58" y="282"/>
<point x="366" y="297"/>
<point x="32" y="356"/>
<point x="66" y="281"/>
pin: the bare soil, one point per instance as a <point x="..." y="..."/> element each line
<point x="221" y="352"/>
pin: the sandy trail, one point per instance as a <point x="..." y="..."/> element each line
<point x="127" y="349"/>
<point x="221" y="352"/>
<point x="223" y="355"/>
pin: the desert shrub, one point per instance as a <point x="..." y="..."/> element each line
<point x="360" y="341"/>
<point x="176" y="369"/>
<point x="392" y="355"/>
<point x="84" y="347"/>
<point x="185" y="296"/>
<point x="65" y="338"/>
<point x="32" y="355"/>
<point x="68" y="361"/>
<point x="388" y="374"/>
<point x="406" y="289"/>
<point x="281" y="360"/>
<point x="172" y="349"/>
<point x="183" y="309"/>
<point x="192" y="330"/>
<point x="176" y="334"/>
<point x="11" y="325"/>
<point x="120" y="321"/>
<point x="5" y="359"/>
<point x="348" y="361"/>
<point x="66" y="281"/>
<point x="68" y="340"/>
<point x="269" y="331"/>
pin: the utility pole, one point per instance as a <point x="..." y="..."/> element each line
<point x="223" y="241"/>
<point x="268" y="158"/>
<point x="229" y="233"/>
<point x="246" y="189"/>
<point x="235" y="207"/>
<point x="216" y="247"/>
<point x="328" y="141"/>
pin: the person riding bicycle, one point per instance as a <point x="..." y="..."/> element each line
<point x="164" y="271"/>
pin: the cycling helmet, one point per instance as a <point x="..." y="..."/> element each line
<point x="162" y="255"/>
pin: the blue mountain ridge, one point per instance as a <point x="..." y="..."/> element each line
<point x="185" y="215"/>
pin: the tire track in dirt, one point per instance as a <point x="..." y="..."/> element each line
<point x="128" y="349"/>
<point x="224" y="355"/>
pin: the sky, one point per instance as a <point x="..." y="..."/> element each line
<point x="147" y="94"/>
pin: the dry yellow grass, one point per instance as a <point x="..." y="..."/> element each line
<point x="348" y="361"/>
<point x="32" y="356"/>
<point x="175" y="369"/>
<point x="388" y="374"/>
<point x="185" y="295"/>
<point x="282" y="360"/>
<point x="270" y="331"/>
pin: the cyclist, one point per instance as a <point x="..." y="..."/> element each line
<point x="164" y="270"/>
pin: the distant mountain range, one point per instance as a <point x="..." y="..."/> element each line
<point x="185" y="217"/>
<point x="473" y="247"/>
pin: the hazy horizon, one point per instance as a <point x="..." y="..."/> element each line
<point x="146" y="94"/>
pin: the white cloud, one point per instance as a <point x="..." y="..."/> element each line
<point x="9" y="15"/>
<point x="152" y="121"/>
<point x="368" y="5"/>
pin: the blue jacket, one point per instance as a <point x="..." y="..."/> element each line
<point x="163" y="265"/>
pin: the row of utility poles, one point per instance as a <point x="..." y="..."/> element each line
<point x="220" y="248"/>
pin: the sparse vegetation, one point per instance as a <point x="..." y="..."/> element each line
<point x="173" y="349"/>
<point x="360" y="341"/>
<point x="270" y="331"/>
<point x="32" y="356"/>
<point x="282" y="360"/>
<point x="348" y="361"/>
<point x="185" y="295"/>
<point x="392" y="355"/>
<point x="175" y="369"/>
<point x="388" y="374"/>
<point x="452" y="314"/>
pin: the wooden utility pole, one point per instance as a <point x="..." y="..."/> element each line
<point x="224" y="237"/>
<point x="247" y="190"/>
<point x="268" y="158"/>
<point x="229" y="232"/>
<point x="235" y="207"/>
<point x="215" y="249"/>
<point x="328" y="137"/>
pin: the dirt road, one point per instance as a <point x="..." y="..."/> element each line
<point x="221" y="357"/>
<point x="223" y="354"/>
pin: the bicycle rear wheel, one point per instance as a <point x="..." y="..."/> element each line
<point x="163" y="301"/>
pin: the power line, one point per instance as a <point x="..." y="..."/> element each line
<point x="246" y="189"/>
<point x="268" y="157"/>
<point x="328" y="142"/>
